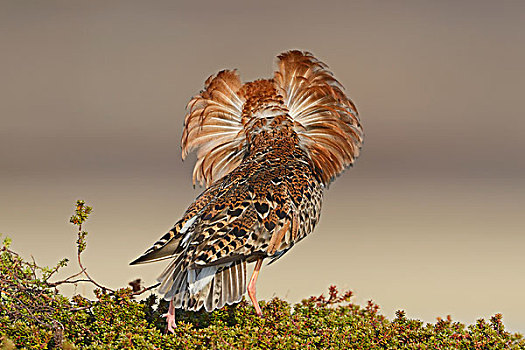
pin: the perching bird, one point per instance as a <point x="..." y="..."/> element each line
<point x="266" y="150"/>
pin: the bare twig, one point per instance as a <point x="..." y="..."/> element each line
<point x="143" y="290"/>
<point x="54" y="284"/>
<point x="83" y="270"/>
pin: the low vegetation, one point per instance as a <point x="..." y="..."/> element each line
<point x="35" y="315"/>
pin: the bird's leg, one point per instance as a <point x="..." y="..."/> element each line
<point x="251" y="286"/>
<point x="170" y="318"/>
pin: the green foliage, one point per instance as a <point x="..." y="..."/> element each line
<point x="34" y="315"/>
<point x="82" y="212"/>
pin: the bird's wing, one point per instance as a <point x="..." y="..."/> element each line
<point x="171" y="244"/>
<point x="262" y="215"/>
<point x="325" y="119"/>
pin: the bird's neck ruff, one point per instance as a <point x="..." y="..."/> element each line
<point x="302" y="106"/>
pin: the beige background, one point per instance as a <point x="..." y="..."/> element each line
<point x="431" y="219"/>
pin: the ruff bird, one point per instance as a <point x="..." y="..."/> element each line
<point x="266" y="150"/>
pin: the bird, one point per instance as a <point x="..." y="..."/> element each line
<point x="266" y="151"/>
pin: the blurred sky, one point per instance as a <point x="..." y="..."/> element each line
<point x="431" y="218"/>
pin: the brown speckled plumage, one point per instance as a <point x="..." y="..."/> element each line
<point x="265" y="150"/>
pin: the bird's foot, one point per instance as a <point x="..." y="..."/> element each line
<point x="170" y="318"/>
<point x="171" y="322"/>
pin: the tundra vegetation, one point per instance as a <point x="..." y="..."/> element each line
<point x="35" y="315"/>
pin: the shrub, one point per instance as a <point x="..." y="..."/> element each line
<point x="34" y="315"/>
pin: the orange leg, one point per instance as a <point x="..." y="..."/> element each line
<point x="251" y="286"/>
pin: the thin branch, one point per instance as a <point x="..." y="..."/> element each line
<point x="89" y="277"/>
<point x="54" y="284"/>
<point x="75" y="275"/>
<point x="143" y="290"/>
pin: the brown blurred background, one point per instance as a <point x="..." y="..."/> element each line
<point x="431" y="219"/>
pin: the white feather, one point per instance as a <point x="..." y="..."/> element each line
<point x="185" y="228"/>
<point x="197" y="281"/>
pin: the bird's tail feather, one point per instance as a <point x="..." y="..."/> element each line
<point x="210" y="287"/>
